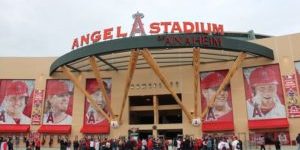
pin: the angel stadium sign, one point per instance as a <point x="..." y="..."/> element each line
<point x="161" y="35"/>
<point x="165" y="28"/>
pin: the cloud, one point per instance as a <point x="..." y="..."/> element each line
<point x="47" y="28"/>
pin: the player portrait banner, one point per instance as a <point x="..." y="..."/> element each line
<point x="91" y="116"/>
<point x="264" y="94"/>
<point x="37" y="107"/>
<point x="221" y="110"/>
<point x="58" y="103"/>
<point x="16" y="101"/>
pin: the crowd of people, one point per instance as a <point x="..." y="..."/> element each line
<point x="131" y="143"/>
<point x="30" y="143"/>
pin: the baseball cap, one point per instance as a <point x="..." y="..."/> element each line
<point x="93" y="86"/>
<point x="212" y="80"/>
<point x="262" y="75"/>
<point x="17" y="88"/>
<point x="57" y="87"/>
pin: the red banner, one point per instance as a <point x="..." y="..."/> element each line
<point x="291" y="94"/>
<point x="16" y="101"/>
<point x="264" y="93"/>
<point x="221" y="109"/>
<point x="58" y="104"/>
<point x="37" y="107"/>
<point x="91" y="116"/>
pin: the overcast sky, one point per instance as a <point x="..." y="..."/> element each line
<point x="48" y="27"/>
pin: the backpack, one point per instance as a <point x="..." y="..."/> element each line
<point x="175" y="143"/>
<point x="209" y="143"/>
<point x="238" y="145"/>
<point x="298" y="139"/>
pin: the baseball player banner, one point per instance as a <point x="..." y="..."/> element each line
<point x="91" y="116"/>
<point x="221" y="110"/>
<point x="37" y="107"/>
<point x="58" y="103"/>
<point x="291" y="95"/>
<point x="264" y="92"/>
<point x="16" y="101"/>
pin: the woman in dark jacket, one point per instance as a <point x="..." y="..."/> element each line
<point x="10" y="144"/>
<point x="277" y="144"/>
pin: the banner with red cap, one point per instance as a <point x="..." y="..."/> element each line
<point x="16" y="101"/>
<point x="221" y="111"/>
<point x="264" y="92"/>
<point x="58" y="103"/>
<point x="91" y="116"/>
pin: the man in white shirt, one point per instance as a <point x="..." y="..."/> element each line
<point x="223" y="145"/>
<point x="178" y="143"/>
<point x="144" y="144"/>
<point x="92" y="144"/>
<point x="97" y="144"/>
<point x="235" y="143"/>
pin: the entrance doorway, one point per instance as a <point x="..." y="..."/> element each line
<point x="170" y="133"/>
<point x="145" y="134"/>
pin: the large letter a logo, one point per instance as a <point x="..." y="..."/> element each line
<point x="138" y="26"/>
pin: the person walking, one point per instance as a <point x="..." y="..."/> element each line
<point x="10" y="144"/>
<point x="236" y="144"/>
<point x="262" y="143"/>
<point x="277" y="144"/>
<point x="4" y="145"/>
<point x="76" y="143"/>
<point x="37" y="144"/>
<point x="298" y="141"/>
